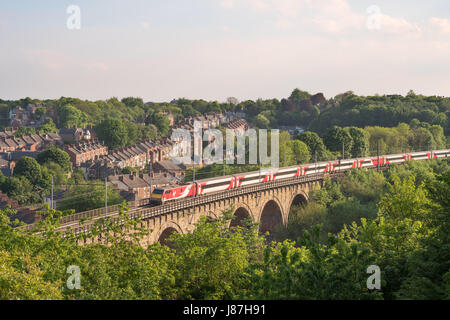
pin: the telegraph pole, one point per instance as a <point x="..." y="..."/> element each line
<point x="151" y="182"/>
<point x="194" y="187"/>
<point x="106" y="196"/>
<point x="378" y="155"/>
<point x="259" y="160"/>
<point x="224" y="161"/>
<point x="315" y="161"/>
<point x="51" y="204"/>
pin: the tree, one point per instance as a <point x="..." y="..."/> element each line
<point x="211" y="260"/>
<point x="24" y="131"/>
<point x="132" y="102"/>
<point x="28" y="168"/>
<point x="113" y="132"/>
<point x="438" y="135"/>
<point x="233" y="101"/>
<point x="48" y="126"/>
<point x="56" y="155"/>
<point x="300" y="151"/>
<point x="336" y="138"/>
<point x="21" y="190"/>
<point x="397" y="231"/>
<point x="40" y="111"/>
<point x="298" y="95"/>
<point x="429" y="275"/>
<point x="360" y="139"/>
<point x="261" y="122"/>
<point x="161" y="121"/>
<point x="89" y="196"/>
<point x="69" y="116"/>
<point x="315" y="145"/>
<point x="421" y="139"/>
<point x="25" y="284"/>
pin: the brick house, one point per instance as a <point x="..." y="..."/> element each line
<point x="168" y="167"/>
<point x="138" y="185"/>
<point x="85" y="151"/>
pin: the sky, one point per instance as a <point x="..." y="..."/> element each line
<point x="214" y="49"/>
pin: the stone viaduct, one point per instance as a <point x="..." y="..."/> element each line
<point x="270" y="208"/>
<point x="268" y="204"/>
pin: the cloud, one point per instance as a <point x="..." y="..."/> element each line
<point x="97" y="66"/>
<point x="330" y="16"/>
<point x="59" y="62"/>
<point x="398" y="25"/>
<point x="227" y="3"/>
<point x="258" y="4"/>
<point x="145" y="25"/>
<point x="442" y="25"/>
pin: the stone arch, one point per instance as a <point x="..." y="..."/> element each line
<point x="210" y="217"/>
<point x="169" y="229"/>
<point x="240" y="215"/>
<point x="299" y="199"/>
<point x="271" y="216"/>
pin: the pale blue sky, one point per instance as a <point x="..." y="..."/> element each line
<point x="213" y="49"/>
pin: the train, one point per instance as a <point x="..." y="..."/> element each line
<point x="239" y="180"/>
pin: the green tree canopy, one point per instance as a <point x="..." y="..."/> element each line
<point x="56" y="155"/>
<point x="28" y="168"/>
<point x="300" y="151"/>
<point x="113" y="132"/>
<point x="315" y="145"/>
<point x="69" y="116"/>
<point x="336" y="138"/>
<point x="360" y="138"/>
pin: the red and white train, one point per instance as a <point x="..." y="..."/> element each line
<point x="211" y="185"/>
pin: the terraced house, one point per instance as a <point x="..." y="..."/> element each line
<point x="33" y="142"/>
<point x="85" y="151"/>
<point x="140" y="154"/>
<point x="137" y="186"/>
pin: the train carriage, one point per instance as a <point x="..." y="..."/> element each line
<point x="289" y="172"/>
<point x="217" y="184"/>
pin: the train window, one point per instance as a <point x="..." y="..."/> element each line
<point x="167" y="192"/>
<point x="158" y="191"/>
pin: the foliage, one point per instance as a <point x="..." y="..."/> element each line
<point x="69" y="117"/>
<point x="161" y="121"/>
<point x="48" y="126"/>
<point x="56" y="155"/>
<point x="30" y="169"/>
<point x="408" y="239"/>
<point x="386" y="111"/>
<point x="337" y="140"/>
<point x="113" y="132"/>
<point x="300" y="151"/>
<point x="315" y="145"/>
<point x="88" y="196"/>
